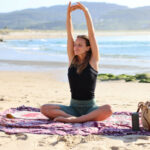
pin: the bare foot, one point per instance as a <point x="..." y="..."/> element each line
<point x="65" y="119"/>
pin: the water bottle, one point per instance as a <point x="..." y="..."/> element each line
<point x="135" y="121"/>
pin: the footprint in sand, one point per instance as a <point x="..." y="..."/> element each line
<point x="134" y="138"/>
<point x="41" y="143"/>
<point x="2" y="99"/>
<point x="143" y="144"/>
<point x="7" y="136"/>
<point x="21" y="136"/>
<point x="114" y="148"/>
<point x="144" y="137"/>
<point x="46" y="142"/>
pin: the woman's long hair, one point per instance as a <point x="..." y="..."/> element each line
<point x="75" y="61"/>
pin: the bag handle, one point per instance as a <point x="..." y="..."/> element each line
<point x="140" y="105"/>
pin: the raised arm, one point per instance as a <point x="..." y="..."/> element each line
<point x="70" y="40"/>
<point x="91" y="33"/>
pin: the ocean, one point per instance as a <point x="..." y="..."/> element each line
<point x="118" y="54"/>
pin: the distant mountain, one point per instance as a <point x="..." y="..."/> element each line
<point x="105" y="17"/>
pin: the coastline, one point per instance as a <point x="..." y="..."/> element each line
<point x="13" y="58"/>
<point x="52" y="64"/>
<point x="28" y="65"/>
<point x="6" y="34"/>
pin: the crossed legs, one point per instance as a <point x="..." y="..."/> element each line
<point x="54" y="112"/>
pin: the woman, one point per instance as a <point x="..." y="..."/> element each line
<point x="83" y="57"/>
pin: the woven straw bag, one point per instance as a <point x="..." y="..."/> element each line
<point x="145" y="114"/>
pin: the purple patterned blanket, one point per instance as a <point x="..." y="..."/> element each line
<point x="118" y="124"/>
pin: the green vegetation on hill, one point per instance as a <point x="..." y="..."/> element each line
<point x="105" y="17"/>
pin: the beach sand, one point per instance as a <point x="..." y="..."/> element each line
<point x="7" y="34"/>
<point x="37" y="88"/>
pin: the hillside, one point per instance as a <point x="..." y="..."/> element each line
<point x="105" y="17"/>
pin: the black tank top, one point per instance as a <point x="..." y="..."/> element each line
<point x="82" y="86"/>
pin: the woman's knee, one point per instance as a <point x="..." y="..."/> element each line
<point x="48" y="107"/>
<point x="43" y="108"/>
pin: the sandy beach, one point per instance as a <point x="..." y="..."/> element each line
<point x="7" y="34"/>
<point x="37" y="88"/>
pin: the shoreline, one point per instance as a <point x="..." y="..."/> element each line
<point x="6" y="34"/>
<point x="59" y="70"/>
<point x="41" y="66"/>
<point x="36" y="63"/>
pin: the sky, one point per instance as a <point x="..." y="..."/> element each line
<point x="13" y="5"/>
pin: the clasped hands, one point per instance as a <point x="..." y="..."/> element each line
<point x="76" y="6"/>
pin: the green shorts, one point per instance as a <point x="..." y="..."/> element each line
<point x="78" y="108"/>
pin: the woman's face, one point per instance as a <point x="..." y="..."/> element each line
<point x="80" y="46"/>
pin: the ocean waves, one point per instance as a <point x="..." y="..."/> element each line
<point x="126" y="53"/>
